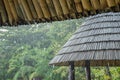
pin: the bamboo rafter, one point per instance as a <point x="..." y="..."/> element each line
<point x="16" y="12"/>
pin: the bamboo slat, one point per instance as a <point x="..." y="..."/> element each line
<point x="95" y="4"/>
<point x="103" y="4"/>
<point x="51" y="8"/>
<point x="78" y="5"/>
<point x="3" y="12"/>
<point x="27" y="10"/>
<point x="111" y="3"/>
<point x="22" y="10"/>
<point x="44" y="8"/>
<point x="117" y="1"/>
<point x="38" y="9"/>
<point x="86" y="5"/>
<point x="9" y="13"/>
<point x="0" y="19"/>
<point x="58" y="7"/>
<point x="18" y="10"/>
<point x="71" y="6"/>
<point x="32" y="9"/>
<point x="13" y="10"/>
<point x="64" y="6"/>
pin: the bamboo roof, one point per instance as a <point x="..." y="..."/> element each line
<point x="97" y="40"/>
<point x="17" y="12"/>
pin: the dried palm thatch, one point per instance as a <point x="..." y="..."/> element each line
<point x="16" y="12"/>
<point x="97" y="40"/>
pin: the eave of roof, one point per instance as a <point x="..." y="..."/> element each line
<point x="17" y="12"/>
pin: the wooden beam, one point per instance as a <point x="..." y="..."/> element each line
<point x="107" y="71"/>
<point x="87" y="69"/>
<point x="71" y="71"/>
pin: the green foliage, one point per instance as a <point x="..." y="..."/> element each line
<point x="25" y="52"/>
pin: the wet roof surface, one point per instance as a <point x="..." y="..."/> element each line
<point x="97" y="40"/>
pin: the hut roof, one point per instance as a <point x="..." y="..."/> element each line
<point x="97" y="40"/>
<point x="16" y="12"/>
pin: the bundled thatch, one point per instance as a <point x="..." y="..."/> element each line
<point x="97" y="40"/>
<point x="16" y="12"/>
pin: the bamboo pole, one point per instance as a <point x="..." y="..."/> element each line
<point x="9" y="13"/>
<point x="26" y="10"/>
<point x="0" y="19"/>
<point x="44" y="8"/>
<point x="13" y="10"/>
<point x="32" y="9"/>
<point x="71" y="71"/>
<point x="22" y="10"/>
<point x="95" y="4"/>
<point x="78" y="5"/>
<point x="38" y="9"/>
<point x="51" y="8"/>
<point x="71" y="6"/>
<point x="64" y="6"/>
<point x="86" y="5"/>
<point x="3" y="12"/>
<point x="58" y="7"/>
<point x="103" y="4"/>
<point x="87" y="69"/>
<point x="18" y="10"/>
<point x="117" y="1"/>
<point x="111" y="3"/>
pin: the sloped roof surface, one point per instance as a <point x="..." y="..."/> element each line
<point x="16" y="12"/>
<point x="97" y="40"/>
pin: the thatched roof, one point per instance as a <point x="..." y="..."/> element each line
<point x="16" y="12"/>
<point x="97" y="40"/>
